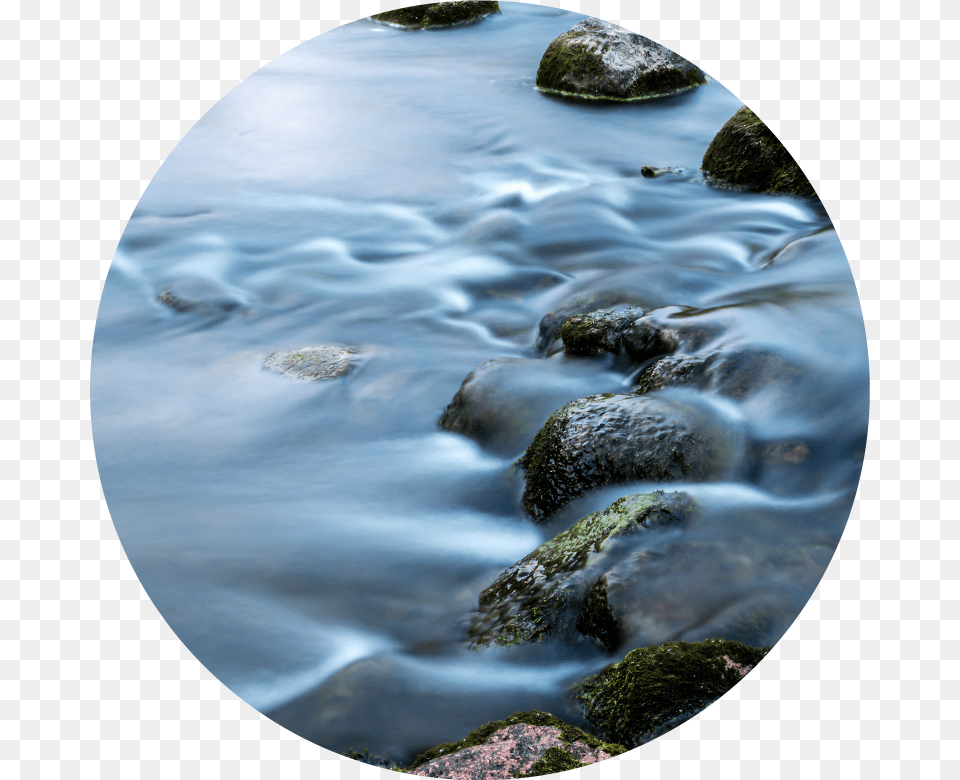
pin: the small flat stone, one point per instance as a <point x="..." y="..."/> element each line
<point x="310" y="363"/>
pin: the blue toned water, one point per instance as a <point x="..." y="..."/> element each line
<point x="320" y="546"/>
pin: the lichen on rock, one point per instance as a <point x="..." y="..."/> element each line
<point x="656" y="688"/>
<point x="596" y="59"/>
<point x="526" y="744"/>
<point x="549" y="591"/>
<point x="428" y="15"/>
<point x="746" y="153"/>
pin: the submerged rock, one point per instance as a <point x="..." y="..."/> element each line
<point x="417" y="17"/>
<point x="205" y="300"/>
<point x="553" y="588"/>
<point x="612" y="438"/>
<point x="736" y="373"/>
<point x="503" y="402"/>
<point x="654" y="689"/>
<point x="526" y="744"/>
<point x="664" y="331"/>
<point x="310" y="363"/>
<point x="746" y="153"/>
<point x="597" y="59"/>
<point x="598" y="331"/>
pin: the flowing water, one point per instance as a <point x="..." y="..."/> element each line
<point x="320" y="546"/>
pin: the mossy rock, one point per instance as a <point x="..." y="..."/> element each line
<point x="421" y="17"/>
<point x="596" y="59"/>
<point x="632" y="701"/>
<point x="614" y="438"/>
<point x="548" y="592"/>
<point x="598" y="331"/>
<point x="568" y="735"/>
<point x="746" y="153"/>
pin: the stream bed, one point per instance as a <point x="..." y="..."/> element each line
<point x="320" y="546"/>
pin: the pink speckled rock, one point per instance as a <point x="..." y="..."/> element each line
<point x="512" y="749"/>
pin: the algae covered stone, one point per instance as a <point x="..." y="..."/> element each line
<point x="745" y="153"/>
<point x="596" y="59"/>
<point x="613" y="438"/>
<point x="546" y="593"/>
<point x="656" y="688"/>
<point x="417" y="17"/>
<point x="526" y="744"/>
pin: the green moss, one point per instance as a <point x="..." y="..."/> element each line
<point x="480" y="735"/>
<point x="745" y="153"/>
<point x="553" y="760"/>
<point x="655" y="686"/>
<point x="438" y="14"/>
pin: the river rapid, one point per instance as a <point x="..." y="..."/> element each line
<point x="320" y="546"/>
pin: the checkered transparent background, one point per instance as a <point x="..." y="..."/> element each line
<point x="96" y="95"/>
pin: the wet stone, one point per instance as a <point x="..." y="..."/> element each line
<point x="310" y="363"/>
<point x="432" y="15"/>
<point x="556" y="588"/>
<point x="614" y="438"/>
<point x="503" y="402"/>
<point x="597" y="331"/>
<point x="596" y="59"/>
<point x="736" y="373"/>
<point x="548" y="332"/>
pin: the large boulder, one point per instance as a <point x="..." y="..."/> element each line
<point x="418" y="17"/>
<point x="745" y="153"/>
<point x="654" y="689"/>
<point x="596" y="59"/>
<point x="544" y="594"/>
<point x="614" y="438"/>
<point x="503" y="402"/>
<point x="527" y="744"/>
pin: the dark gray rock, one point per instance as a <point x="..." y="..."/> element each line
<point x="597" y="331"/>
<point x="597" y="59"/>
<point x="548" y="332"/>
<point x="609" y="439"/>
<point x="666" y="330"/>
<point x="503" y="402"/>
<point x="429" y="15"/>
<point x="746" y="153"/>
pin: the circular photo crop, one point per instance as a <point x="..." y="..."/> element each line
<point x="480" y="390"/>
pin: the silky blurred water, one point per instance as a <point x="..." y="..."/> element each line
<point x="410" y="195"/>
